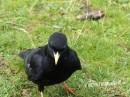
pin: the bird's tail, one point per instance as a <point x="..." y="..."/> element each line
<point x="22" y="55"/>
<point x="27" y="53"/>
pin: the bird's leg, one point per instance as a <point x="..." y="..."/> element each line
<point x="68" y="89"/>
<point x="41" y="89"/>
<point x="41" y="94"/>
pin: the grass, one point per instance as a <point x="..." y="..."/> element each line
<point x="103" y="46"/>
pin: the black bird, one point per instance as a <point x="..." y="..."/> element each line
<point x="52" y="63"/>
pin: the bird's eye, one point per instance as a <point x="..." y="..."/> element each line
<point x="52" y="47"/>
<point x="64" y="47"/>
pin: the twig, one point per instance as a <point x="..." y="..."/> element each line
<point x="67" y="9"/>
<point x="93" y="83"/>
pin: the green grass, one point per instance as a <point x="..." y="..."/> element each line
<point x="103" y="46"/>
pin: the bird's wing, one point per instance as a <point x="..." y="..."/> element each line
<point x="74" y="60"/>
<point x="26" y="56"/>
<point x="33" y="63"/>
<point x="36" y="67"/>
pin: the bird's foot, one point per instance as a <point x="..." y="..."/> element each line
<point x="69" y="89"/>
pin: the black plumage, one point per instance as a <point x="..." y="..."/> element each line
<point x="52" y="63"/>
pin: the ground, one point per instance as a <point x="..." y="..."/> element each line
<point x="103" y="46"/>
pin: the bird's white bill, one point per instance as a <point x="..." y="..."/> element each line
<point x="56" y="57"/>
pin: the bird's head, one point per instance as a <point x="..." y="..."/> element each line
<point x="57" y="45"/>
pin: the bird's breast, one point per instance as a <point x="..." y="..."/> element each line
<point x="57" y="75"/>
